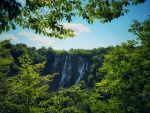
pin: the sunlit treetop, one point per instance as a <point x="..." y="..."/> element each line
<point x="45" y="16"/>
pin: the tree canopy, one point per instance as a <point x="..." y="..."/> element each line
<point x="118" y="79"/>
<point x="46" y="16"/>
<point x="125" y="87"/>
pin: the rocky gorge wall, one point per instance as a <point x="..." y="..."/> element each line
<point x="71" y="70"/>
<point x="73" y="65"/>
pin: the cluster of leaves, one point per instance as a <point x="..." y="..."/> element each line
<point x="96" y="62"/>
<point x="23" y="92"/>
<point x="5" y="61"/>
<point x="125" y="87"/>
<point x="45" y="16"/>
<point x="9" y="10"/>
<point x="71" y="100"/>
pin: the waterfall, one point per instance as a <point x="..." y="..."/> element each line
<point x="86" y="65"/>
<point x="71" y="71"/>
<point x="81" y="67"/>
<point x="66" y="71"/>
<point x="55" y="63"/>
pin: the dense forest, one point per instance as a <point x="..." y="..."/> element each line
<point x="118" y="78"/>
<point x="115" y="79"/>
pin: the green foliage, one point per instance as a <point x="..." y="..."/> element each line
<point x="97" y="56"/>
<point x="47" y="15"/>
<point x="15" y="68"/>
<point x="5" y="61"/>
<point x="27" y="87"/>
<point x="9" y="10"/>
<point x="35" y="56"/>
<point x="71" y="100"/>
<point x="17" y="50"/>
<point x="59" y="53"/>
<point x="142" y="31"/>
<point x="125" y="87"/>
<point x="119" y="80"/>
<point x="5" y="57"/>
<point x="80" y="52"/>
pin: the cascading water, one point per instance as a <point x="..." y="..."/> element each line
<point x="81" y="67"/>
<point x="66" y="71"/>
<point x="86" y="65"/>
<point x="71" y="70"/>
<point x="55" y="63"/>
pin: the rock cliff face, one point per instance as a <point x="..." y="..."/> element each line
<point x="73" y="65"/>
<point x="71" y="70"/>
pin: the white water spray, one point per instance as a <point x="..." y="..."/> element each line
<point x="81" y="67"/>
<point x="66" y="71"/>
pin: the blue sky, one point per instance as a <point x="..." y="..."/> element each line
<point x="87" y="36"/>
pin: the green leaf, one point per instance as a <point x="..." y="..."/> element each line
<point x="7" y="28"/>
<point x="1" y="30"/>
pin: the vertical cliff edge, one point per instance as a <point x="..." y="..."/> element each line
<point x="71" y="70"/>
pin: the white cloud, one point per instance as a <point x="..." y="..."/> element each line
<point x="35" y="37"/>
<point x="77" y="28"/>
<point x="8" y="36"/>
